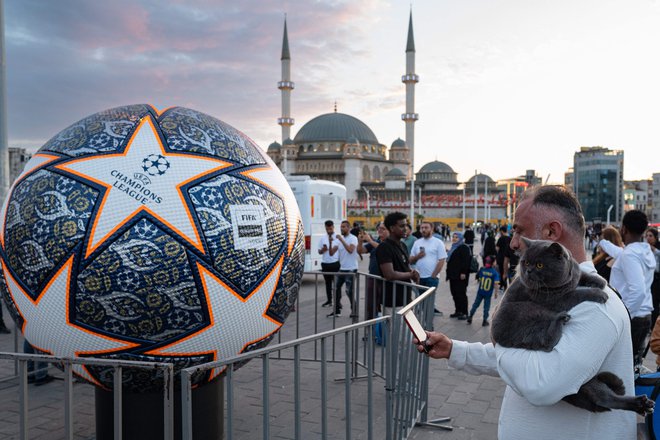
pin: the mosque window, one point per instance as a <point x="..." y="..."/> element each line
<point x="366" y="175"/>
<point x="376" y="173"/>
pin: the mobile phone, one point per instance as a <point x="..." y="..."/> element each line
<point x="416" y="328"/>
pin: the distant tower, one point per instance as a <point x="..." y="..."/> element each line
<point x="286" y="85"/>
<point x="409" y="117"/>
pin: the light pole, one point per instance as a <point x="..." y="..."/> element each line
<point x="608" y="214"/>
<point x="475" y="198"/>
<point x="464" y="183"/>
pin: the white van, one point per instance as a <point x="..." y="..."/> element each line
<point x="318" y="200"/>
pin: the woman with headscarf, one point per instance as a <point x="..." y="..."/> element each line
<point x="458" y="270"/>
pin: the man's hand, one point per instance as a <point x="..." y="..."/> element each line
<point x="414" y="276"/>
<point x="438" y="345"/>
<point x="462" y="276"/>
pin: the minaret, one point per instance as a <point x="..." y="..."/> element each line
<point x="286" y="85"/>
<point x="409" y="117"/>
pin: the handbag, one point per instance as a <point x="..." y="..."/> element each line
<point x="474" y="265"/>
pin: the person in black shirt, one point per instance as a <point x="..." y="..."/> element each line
<point x="501" y="248"/>
<point x="489" y="249"/>
<point x="392" y="256"/>
<point x="468" y="238"/>
<point x="458" y="271"/>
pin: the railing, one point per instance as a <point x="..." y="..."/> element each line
<point x="402" y="373"/>
<point x="332" y="382"/>
<point x="66" y="364"/>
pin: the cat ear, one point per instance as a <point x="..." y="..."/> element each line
<point x="525" y="240"/>
<point x="556" y="249"/>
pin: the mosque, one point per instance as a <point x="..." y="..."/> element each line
<point x="341" y="148"/>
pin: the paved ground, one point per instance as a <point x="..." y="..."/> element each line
<point x="473" y="402"/>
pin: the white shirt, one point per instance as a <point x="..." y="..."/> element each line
<point x="348" y="260"/>
<point x="632" y="275"/>
<point x="435" y="251"/>
<point x="595" y="339"/>
<point x="325" y="256"/>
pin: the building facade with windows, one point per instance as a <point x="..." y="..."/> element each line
<point x="598" y="183"/>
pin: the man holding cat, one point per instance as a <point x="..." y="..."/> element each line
<point x="595" y="339"/>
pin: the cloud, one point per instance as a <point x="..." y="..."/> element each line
<point x="71" y="58"/>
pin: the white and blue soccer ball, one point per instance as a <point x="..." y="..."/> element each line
<point x="150" y="235"/>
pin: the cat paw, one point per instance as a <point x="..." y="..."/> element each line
<point x="646" y="406"/>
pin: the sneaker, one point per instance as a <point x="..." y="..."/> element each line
<point x="334" y="314"/>
<point x="437" y="312"/>
<point x="326" y="304"/>
<point x="485" y="323"/>
<point x="469" y="320"/>
<point x="462" y="317"/>
<point x="454" y="315"/>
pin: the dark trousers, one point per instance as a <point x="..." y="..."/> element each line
<point x="373" y="298"/>
<point x="458" y="289"/>
<point x="339" y="282"/>
<point x="639" y="331"/>
<point x="655" y="293"/>
<point x="329" y="267"/>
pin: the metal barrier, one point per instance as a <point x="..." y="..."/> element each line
<point x="355" y="386"/>
<point x="402" y="398"/>
<point x="66" y="364"/>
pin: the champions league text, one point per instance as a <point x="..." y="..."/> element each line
<point x="134" y="188"/>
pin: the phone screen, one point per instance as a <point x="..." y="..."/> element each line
<point x="414" y="325"/>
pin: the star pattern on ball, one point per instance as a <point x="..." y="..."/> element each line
<point x="37" y="162"/>
<point x="130" y="191"/>
<point x="229" y="313"/>
<point x="46" y="323"/>
<point x="281" y="187"/>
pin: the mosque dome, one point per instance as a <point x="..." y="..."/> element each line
<point x="399" y="143"/>
<point x="395" y="172"/>
<point x="275" y="146"/>
<point x="436" y="167"/>
<point x="335" y="127"/>
<point x="288" y="141"/>
<point x="480" y="179"/>
<point x="353" y="141"/>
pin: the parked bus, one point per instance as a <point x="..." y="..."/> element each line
<point x="318" y="200"/>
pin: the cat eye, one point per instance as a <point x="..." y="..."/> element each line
<point x="539" y="265"/>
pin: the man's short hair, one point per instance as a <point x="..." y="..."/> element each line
<point x="635" y="221"/>
<point x="346" y="221"/>
<point x="560" y="198"/>
<point x="393" y="218"/>
<point x="329" y="223"/>
<point x="503" y="228"/>
<point x="427" y="223"/>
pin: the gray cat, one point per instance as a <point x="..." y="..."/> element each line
<point x="535" y="308"/>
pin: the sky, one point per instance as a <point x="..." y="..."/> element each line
<point x="505" y="85"/>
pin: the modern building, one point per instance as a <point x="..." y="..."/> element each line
<point x="598" y="183"/>
<point x="655" y="199"/>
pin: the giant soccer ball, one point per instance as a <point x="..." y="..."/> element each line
<point x="139" y="234"/>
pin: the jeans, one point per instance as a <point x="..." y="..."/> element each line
<point x="639" y="331"/>
<point x="340" y="280"/>
<point x="373" y="298"/>
<point x="477" y="303"/>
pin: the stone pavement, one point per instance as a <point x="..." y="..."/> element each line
<point x="473" y="402"/>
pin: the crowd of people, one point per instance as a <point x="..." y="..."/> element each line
<point x="613" y="336"/>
